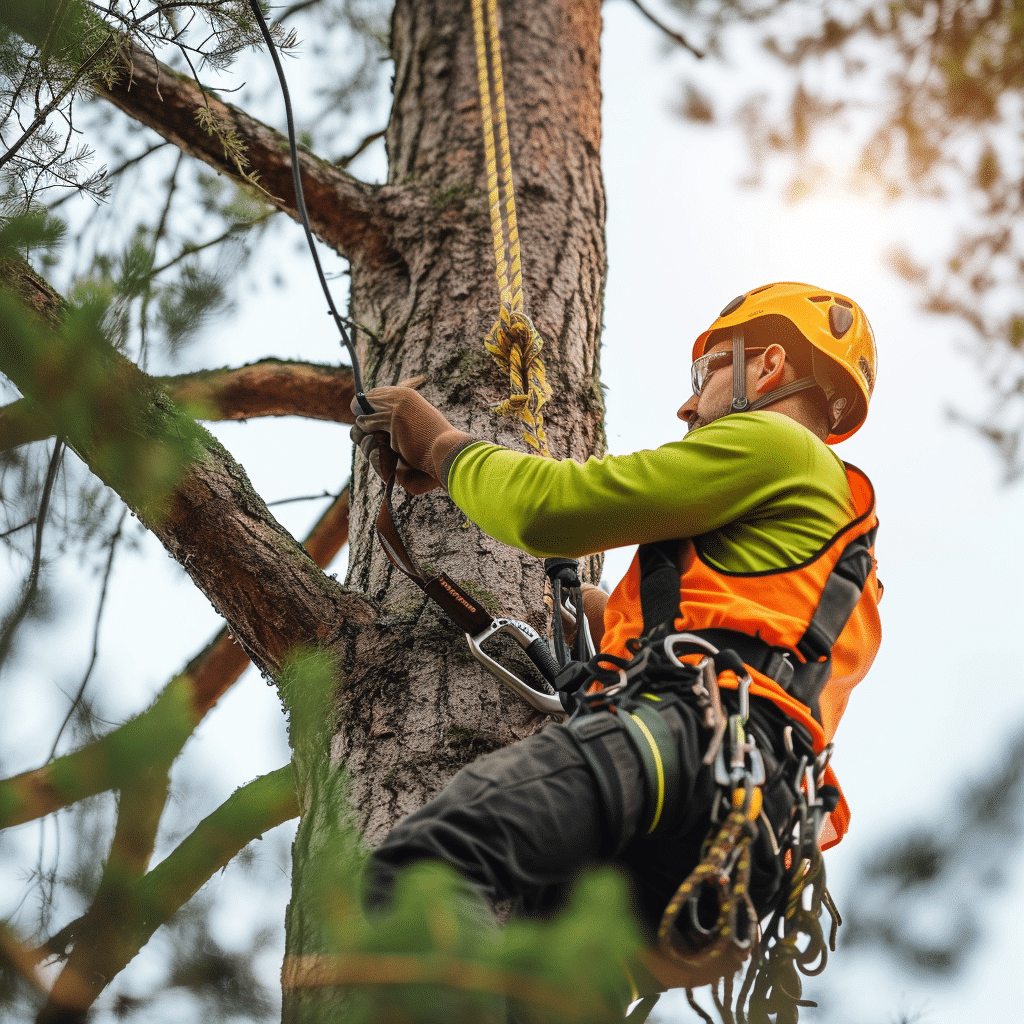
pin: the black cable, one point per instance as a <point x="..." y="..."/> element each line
<point x="300" y="205"/>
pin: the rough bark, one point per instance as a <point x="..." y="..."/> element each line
<point x="347" y="214"/>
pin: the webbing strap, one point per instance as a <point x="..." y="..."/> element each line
<point x="468" y="614"/>
<point x="659" y="583"/>
<point x="605" y="747"/>
<point x="656" y="746"/>
<point x="839" y="597"/>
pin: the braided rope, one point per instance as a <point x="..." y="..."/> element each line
<point x="513" y="342"/>
<point x="726" y="868"/>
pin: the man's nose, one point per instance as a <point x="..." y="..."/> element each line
<point x="688" y="410"/>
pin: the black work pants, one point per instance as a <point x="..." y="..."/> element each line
<point x="523" y="822"/>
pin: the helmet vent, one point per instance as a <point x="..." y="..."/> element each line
<point x="734" y="305"/>
<point x="820" y="298"/>
<point x="840" y="320"/>
<point x="844" y="302"/>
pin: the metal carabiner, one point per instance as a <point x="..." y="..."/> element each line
<point x="685" y="638"/>
<point x="535" y="648"/>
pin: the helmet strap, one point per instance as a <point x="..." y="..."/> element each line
<point x="739" y="371"/>
<point x="777" y="394"/>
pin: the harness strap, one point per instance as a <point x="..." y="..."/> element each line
<point x="605" y="746"/>
<point x="659" y="583"/>
<point x="804" y="680"/>
<point x="658" y="752"/>
<point x="466" y="612"/>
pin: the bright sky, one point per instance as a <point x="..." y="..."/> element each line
<point x="683" y="240"/>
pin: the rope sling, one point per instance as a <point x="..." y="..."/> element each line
<point x="513" y="341"/>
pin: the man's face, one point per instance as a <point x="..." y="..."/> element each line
<point x="715" y="400"/>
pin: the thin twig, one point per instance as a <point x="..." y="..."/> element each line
<point x="697" y="1008"/>
<point x="191" y="250"/>
<point x="674" y="36"/>
<point x="15" y="529"/>
<point x="370" y="139"/>
<point x="114" y="539"/>
<point x="158" y="233"/>
<point x="110" y="176"/>
<point x="307" y="497"/>
<point x="32" y="585"/>
<point x="294" y="9"/>
<point x="40" y="118"/>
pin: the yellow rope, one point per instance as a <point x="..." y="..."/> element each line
<point x="513" y="341"/>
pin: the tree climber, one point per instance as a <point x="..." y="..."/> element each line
<point x="754" y="537"/>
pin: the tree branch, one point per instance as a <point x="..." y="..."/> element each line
<point x="129" y="432"/>
<point x="345" y="213"/>
<point x="21" y="423"/>
<point x="97" y="932"/>
<point x="676" y="37"/>
<point x="249" y="812"/>
<point x="270" y="387"/>
<point x="24" y="960"/>
<point x="159" y="733"/>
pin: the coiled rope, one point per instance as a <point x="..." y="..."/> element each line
<point x="513" y="341"/>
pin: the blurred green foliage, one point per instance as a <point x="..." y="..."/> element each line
<point x="127" y="430"/>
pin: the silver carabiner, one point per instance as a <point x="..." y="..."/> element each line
<point x="687" y="638"/>
<point x="525" y="636"/>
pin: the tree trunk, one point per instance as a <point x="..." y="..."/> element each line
<point x="422" y="700"/>
<point x="416" y="707"/>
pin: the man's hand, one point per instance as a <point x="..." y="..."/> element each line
<point x="419" y="434"/>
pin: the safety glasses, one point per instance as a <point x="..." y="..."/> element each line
<point x="704" y="366"/>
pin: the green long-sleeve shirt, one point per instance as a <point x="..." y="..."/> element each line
<point x="756" y="491"/>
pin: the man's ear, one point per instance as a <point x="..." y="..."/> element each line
<point x="772" y="369"/>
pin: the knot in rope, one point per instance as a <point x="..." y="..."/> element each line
<point x="515" y="345"/>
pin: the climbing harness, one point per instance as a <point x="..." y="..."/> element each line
<point x="710" y="927"/>
<point x="513" y="341"/>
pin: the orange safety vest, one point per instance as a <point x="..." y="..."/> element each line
<point x="777" y="607"/>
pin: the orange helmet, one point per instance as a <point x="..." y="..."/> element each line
<point x="842" y="344"/>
